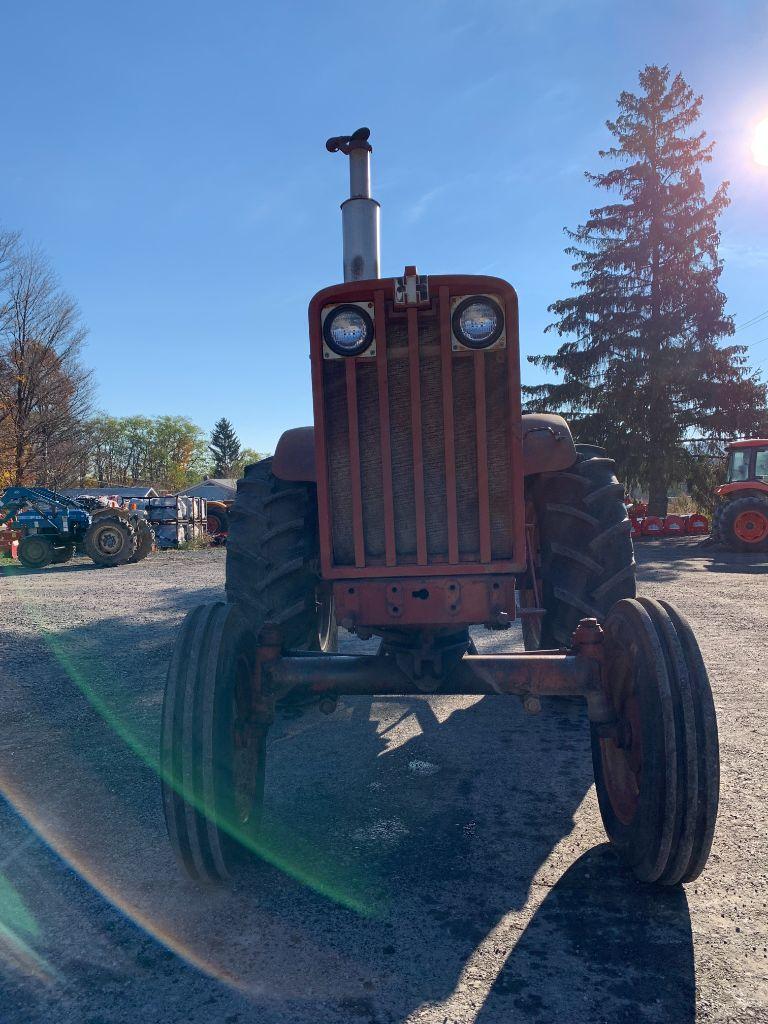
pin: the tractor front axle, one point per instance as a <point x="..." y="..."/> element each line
<point x="575" y="672"/>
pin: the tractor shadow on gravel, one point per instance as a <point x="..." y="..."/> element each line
<point x="601" y="946"/>
<point x="402" y="833"/>
<point x="13" y="568"/>
<point x="439" y="838"/>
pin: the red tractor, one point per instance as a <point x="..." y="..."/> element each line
<point x="741" y="515"/>
<point x="420" y="504"/>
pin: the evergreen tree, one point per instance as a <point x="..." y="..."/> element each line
<point x="642" y="372"/>
<point x="225" y="448"/>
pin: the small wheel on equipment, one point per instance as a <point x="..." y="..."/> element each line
<point x="657" y="770"/>
<point x="212" y="746"/>
<point x="36" y="552"/>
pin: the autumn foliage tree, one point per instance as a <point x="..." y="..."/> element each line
<point x="45" y="390"/>
<point x="642" y="370"/>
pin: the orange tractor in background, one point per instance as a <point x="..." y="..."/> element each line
<point x="741" y="515"/>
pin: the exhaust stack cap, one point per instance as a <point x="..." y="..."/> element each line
<point x="359" y="213"/>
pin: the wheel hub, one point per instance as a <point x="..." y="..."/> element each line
<point x="751" y="527"/>
<point x="623" y="754"/>
<point x="110" y="541"/>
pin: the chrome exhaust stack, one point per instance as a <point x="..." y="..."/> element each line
<point x="359" y="213"/>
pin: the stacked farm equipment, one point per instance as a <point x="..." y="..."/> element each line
<point x="53" y="526"/>
<point x="177" y="519"/>
<point x="420" y="504"/>
<point x="672" y="525"/>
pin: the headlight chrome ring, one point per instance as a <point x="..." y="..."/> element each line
<point x="478" y="321"/>
<point x="348" y="330"/>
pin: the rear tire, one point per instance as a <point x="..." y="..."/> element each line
<point x="273" y="570"/>
<point x="145" y="540"/>
<point x="587" y="557"/>
<point x="36" y="552"/>
<point x="742" y="524"/>
<point x="110" y="541"/>
<point x="218" y="518"/>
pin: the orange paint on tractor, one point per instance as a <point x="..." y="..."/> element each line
<point x="741" y="514"/>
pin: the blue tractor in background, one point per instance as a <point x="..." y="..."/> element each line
<point x="55" y="526"/>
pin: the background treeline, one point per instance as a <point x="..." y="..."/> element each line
<point x="50" y="433"/>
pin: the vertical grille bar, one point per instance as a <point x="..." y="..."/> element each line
<point x="390" y="552"/>
<point x="448" y="439"/>
<point x="516" y="495"/>
<point x="354" y="464"/>
<point x="483" y="499"/>
<point x="418" y="449"/>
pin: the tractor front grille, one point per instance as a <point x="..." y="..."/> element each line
<point x="422" y="450"/>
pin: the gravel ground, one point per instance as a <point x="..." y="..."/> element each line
<point x="438" y="859"/>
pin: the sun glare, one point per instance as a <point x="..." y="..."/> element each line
<point x="760" y="143"/>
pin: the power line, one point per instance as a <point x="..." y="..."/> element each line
<point x="754" y="320"/>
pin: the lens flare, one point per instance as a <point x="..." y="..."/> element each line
<point x="760" y="143"/>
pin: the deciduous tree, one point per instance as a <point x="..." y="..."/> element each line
<point x="45" y="390"/>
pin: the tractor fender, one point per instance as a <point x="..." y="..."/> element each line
<point x="107" y="512"/>
<point x="294" y="457"/>
<point x="742" y="489"/>
<point x="547" y="447"/>
<point x="547" y="444"/>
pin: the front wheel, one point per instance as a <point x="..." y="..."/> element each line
<point x="657" y="773"/>
<point x="36" y="552"/>
<point x="212" y="747"/>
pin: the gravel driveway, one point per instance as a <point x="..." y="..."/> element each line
<point x="438" y="859"/>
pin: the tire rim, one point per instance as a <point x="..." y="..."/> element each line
<point x="751" y="527"/>
<point x="110" y="540"/>
<point x="35" y="550"/>
<point x="214" y="524"/>
<point x="623" y="759"/>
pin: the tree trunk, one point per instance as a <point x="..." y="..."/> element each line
<point x="657" y="491"/>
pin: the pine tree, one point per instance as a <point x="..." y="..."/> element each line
<point x="225" y="448"/>
<point x="642" y="370"/>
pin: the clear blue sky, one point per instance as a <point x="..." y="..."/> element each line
<point x="170" y="158"/>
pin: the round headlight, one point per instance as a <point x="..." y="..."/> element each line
<point x="348" y="330"/>
<point x="478" y="321"/>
